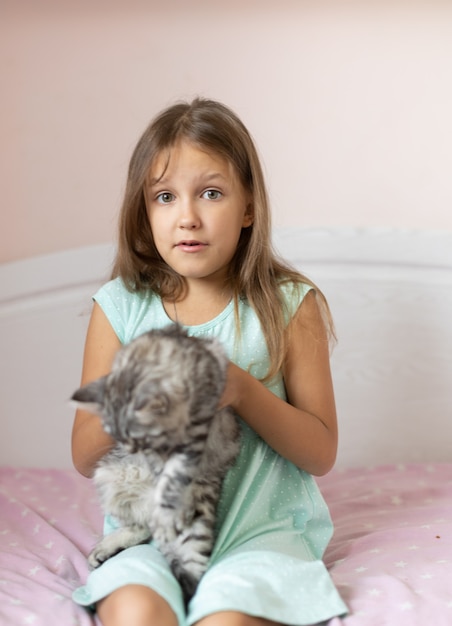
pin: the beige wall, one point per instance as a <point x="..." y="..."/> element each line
<point x="350" y="104"/>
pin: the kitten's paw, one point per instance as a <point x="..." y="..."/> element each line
<point x="167" y="524"/>
<point x="116" y="542"/>
<point x="98" y="556"/>
<point x="164" y="534"/>
<point x="106" y="548"/>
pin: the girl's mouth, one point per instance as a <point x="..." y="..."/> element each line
<point x="190" y="246"/>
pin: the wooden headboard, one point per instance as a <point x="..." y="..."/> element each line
<point x="390" y="292"/>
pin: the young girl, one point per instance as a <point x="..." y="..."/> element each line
<point x="194" y="248"/>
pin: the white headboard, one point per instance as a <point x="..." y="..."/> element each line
<point x="391" y="297"/>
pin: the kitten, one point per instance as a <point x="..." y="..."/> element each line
<point x="163" y="478"/>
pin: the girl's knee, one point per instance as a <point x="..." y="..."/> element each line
<point x="135" y="605"/>
<point x="234" y="618"/>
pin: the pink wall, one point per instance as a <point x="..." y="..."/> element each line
<point x="350" y="104"/>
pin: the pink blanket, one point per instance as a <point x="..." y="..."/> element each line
<point x="391" y="556"/>
<point x="49" y="521"/>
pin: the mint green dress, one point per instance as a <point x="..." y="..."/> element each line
<point x="273" y="524"/>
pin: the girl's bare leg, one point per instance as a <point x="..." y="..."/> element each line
<point x="234" y="618"/>
<point x="135" y="605"/>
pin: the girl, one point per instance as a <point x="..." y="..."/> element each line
<point x="194" y="248"/>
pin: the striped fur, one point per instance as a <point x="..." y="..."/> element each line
<point x="163" y="479"/>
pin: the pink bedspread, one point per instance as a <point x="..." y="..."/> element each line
<point x="49" y="521"/>
<point x="391" y="556"/>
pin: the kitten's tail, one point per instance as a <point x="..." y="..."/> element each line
<point x="188" y="584"/>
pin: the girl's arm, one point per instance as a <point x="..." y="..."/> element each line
<point x="89" y="441"/>
<point x="304" y="429"/>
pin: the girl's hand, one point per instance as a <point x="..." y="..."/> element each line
<point x="231" y="394"/>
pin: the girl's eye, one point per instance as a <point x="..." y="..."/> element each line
<point x="212" y="194"/>
<point x="165" y="197"/>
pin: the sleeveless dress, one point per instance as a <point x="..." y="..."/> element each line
<point x="273" y="524"/>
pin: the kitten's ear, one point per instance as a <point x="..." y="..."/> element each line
<point x="90" y="397"/>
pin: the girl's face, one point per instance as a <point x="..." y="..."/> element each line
<point x="197" y="208"/>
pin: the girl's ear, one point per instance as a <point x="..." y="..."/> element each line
<point x="248" y="218"/>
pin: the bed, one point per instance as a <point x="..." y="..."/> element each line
<point x="390" y="493"/>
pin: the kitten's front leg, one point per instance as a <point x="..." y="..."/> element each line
<point x="174" y="498"/>
<point x="115" y="542"/>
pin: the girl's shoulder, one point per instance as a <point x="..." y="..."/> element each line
<point x="129" y="312"/>
<point x="294" y="289"/>
<point x="293" y="293"/>
<point x="117" y="290"/>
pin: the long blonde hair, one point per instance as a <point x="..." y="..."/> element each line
<point x="256" y="272"/>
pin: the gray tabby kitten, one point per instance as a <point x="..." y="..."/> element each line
<point x="163" y="478"/>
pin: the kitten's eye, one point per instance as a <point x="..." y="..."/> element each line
<point x="212" y="194"/>
<point x="165" y="197"/>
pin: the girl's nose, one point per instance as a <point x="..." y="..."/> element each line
<point x="189" y="218"/>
